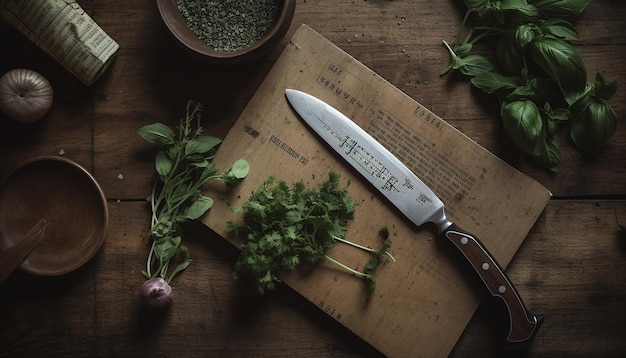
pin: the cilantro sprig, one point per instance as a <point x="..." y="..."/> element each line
<point x="286" y="226"/>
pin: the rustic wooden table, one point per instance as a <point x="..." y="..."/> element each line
<point x="571" y="268"/>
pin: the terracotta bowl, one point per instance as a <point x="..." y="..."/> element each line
<point x="188" y="40"/>
<point x="72" y="202"/>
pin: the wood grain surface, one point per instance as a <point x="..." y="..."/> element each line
<point x="571" y="267"/>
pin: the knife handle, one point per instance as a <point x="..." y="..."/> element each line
<point x="522" y="324"/>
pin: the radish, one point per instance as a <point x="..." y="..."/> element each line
<point x="155" y="294"/>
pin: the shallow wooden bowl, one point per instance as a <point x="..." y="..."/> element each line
<point x="177" y="26"/>
<point x="71" y="201"/>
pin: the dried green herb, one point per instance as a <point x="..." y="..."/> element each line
<point x="229" y="25"/>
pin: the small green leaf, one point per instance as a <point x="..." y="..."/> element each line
<point x="521" y="93"/>
<point x="524" y="35"/>
<point x="463" y="49"/>
<point x="522" y="122"/>
<point x="491" y="82"/>
<point x="565" y="9"/>
<point x="166" y="247"/>
<point x="549" y="152"/>
<point x="593" y="123"/>
<point x="602" y="90"/>
<point x="559" y="28"/>
<point x="157" y="133"/>
<point x="240" y="169"/>
<point x="200" y="164"/>
<point x="163" y="163"/>
<point x="185" y="262"/>
<point x="509" y="55"/>
<point x="473" y="65"/>
<point x="199" y="206"/>
<point x="201" y="144"/>
<point x="555" y="118"/>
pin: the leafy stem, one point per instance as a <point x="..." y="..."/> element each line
<point x="184" y="165"/>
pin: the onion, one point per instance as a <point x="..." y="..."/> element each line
<point x="155" y="294"/>
<point x="25" y="95"/>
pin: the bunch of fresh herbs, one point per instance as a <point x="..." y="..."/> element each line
<point x="184" y="164"/>
<point x="541" y="79"/>
<point x="289" y="225"/>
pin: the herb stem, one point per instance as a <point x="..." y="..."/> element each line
<point x="149" y="261"/>
<point x="351" y="270"/>
<point x="468" y="36"/>
<point x="369" y="249"/>
<point x="487" y="31"/>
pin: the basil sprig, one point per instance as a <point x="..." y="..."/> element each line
<point x="540" y="79"/>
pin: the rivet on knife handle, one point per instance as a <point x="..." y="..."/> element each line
<point x="523" y="325"/>
<point x="415" y="200"/>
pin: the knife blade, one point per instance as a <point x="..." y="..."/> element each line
<point x="416" y="201"/>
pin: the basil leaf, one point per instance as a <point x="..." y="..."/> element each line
<point x="549" y="152"/>
<point x="559" y="28"/>
<point x="566" y="9"/>
<point x="524" y="35"/>
<point x="463" y="49"/>
<point x="491" y="82"/>
<point x="563" y="64"/>
<point x="509" y="54"/>
<point x="521" y="93"/>
<point x="522" y="122"/>
<point x="520" y="6"/>
<point x="555" y="118"/>
<point x="594" y="122"/>
<point x="602" y="90"/>
<point x="473" y="65"/>
<point x="157" y="133"/>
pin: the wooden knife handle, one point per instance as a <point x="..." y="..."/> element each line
<point x="522" y="324"/>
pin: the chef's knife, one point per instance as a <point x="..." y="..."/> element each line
<point x="416" y="201"/>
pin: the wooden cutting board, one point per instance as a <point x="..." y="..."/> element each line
<point x="424" y="300"/>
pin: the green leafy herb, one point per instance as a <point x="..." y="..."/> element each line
<point x="184" y="165"/>
<point x="593" y="120"/>
<point x="289" y="225"/>
<point x="540" y="78"/>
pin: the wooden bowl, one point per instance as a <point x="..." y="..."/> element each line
<point x="177" y="26"/>
<point x="72" y="202"/>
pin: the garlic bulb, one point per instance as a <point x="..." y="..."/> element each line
<point x="25" y="95"/>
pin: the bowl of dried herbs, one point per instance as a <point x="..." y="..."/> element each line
<point x="227" y="31"/>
